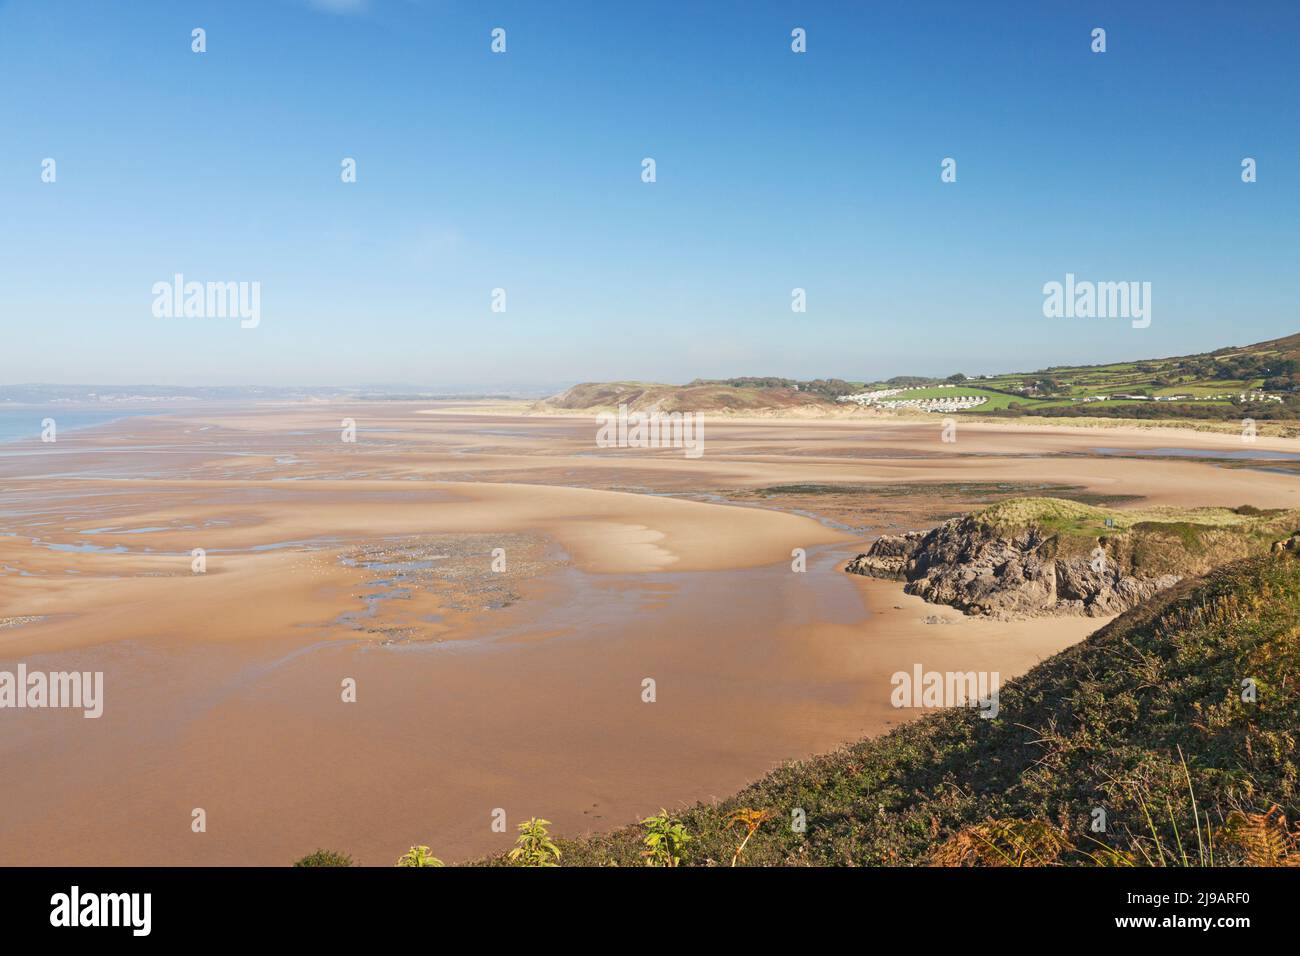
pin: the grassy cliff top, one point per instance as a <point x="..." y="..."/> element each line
<point x="1059" y="516"/>
<point x="1145" y="720"/>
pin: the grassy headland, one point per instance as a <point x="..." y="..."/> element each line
<point x="1033" y="556"/>
<point x="1260" y="382"/>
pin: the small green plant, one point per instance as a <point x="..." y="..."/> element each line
<point x="324" y="858"/>
<point x="664" y="840"/>
<point x="533" y="847"/>
<point x="418" y="856"/>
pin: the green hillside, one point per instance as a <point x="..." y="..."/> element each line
<point x="1205" y="386"/>
<point x="1260" y="381"/>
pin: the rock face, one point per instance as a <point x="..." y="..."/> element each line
<point x="888" y="556"/>
<point x="965" y="564"/>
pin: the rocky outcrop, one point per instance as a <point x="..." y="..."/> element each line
<point x="888" y="556"/>
<point x="968" y="565"/>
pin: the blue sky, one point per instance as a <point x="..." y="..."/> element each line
<point x="522" y="171"/>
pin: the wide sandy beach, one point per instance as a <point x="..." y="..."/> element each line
<point x="499" y="588"/>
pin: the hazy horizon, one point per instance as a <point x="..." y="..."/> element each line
<point x="530" y="388"/>
<point x="522" y="171"/>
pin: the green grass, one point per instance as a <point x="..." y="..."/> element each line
<point x="1144" y="719"/>
<point x="1145" y="541"/>
<point x="1058" y="515"/>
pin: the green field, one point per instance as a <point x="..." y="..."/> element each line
<point x="1197" y="386"/>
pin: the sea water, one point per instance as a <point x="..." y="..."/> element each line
<point x="18" y="422"/>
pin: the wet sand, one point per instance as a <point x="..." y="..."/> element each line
<point x="478" y="688"/>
